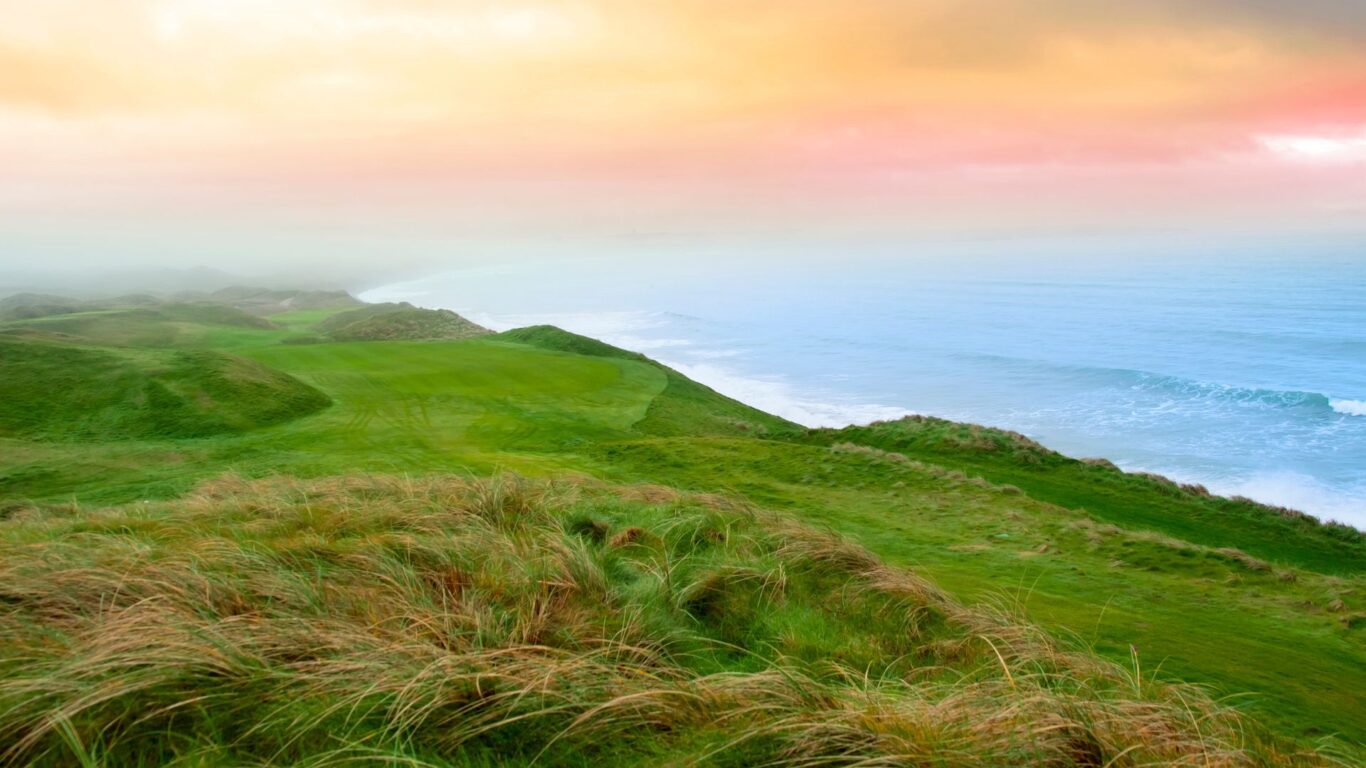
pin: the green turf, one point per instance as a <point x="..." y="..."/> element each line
<point x="1245" y="599"/>
<point x="685" y="407"/>
<point x="62" y="391"/>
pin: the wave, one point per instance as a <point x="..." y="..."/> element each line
<point x="1329" y="502"/>
<point x="775" y="395"/>
<point x="1177" y="387"/>
<point x="1192" y="389"/>
<point x="1302" y="492"/>
<point x="1349" y="407"/>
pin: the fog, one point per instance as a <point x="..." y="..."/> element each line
<point x="521" y="272"/>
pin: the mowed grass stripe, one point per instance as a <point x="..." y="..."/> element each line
<point x="445" y="384"/>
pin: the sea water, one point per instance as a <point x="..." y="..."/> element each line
<point x="1245" y="374"/>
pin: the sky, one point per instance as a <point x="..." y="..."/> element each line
<point x="252" y="134"/>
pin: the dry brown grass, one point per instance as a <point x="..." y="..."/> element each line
<point x="439" y="620"/>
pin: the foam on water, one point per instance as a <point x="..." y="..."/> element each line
<point x="1302" y="492"/>
<point x="1349" y="407"/>
<point x="776" y="395"/>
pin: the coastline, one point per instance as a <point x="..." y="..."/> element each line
<point x="732" y="368"/>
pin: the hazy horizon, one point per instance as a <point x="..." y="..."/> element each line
<point x="353" y="137"/>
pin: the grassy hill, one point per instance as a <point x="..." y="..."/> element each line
<point x="60" y="391"/>
<point x="1188" y="512"/>
<point x="250" y="300"/>
<point x="1266" y="608"/>
<point x="447" y="622"/>
<point x="165" y="325"/>
<point x="398" y="322"/>
<point x="684" y="407"/>
<point x="23" y="306"/>
<point x="264" y="301"/>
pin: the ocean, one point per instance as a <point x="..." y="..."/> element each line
<point x="1247" y="375"/>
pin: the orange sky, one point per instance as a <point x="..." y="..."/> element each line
<point x="449" y="119"/>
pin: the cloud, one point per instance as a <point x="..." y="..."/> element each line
<point x="1349" y="148"/>
<point x="666" y="60"/>
<point x="603" y="114"/>
<point x="61" y="81"/>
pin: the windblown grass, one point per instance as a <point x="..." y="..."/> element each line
<point x="1189" y="512"/>
<point x="503" y="622"/>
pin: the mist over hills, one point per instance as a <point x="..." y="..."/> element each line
<point x="165" y="281"/>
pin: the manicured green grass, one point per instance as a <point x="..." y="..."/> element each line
<point x="398" y="407"/>
<point x="684" y="407"/>
<point x="1113" y="559"/>
<point x="65" y="391"/>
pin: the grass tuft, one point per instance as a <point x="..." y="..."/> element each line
<point x="504" y="621"/>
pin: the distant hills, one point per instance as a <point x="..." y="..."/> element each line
<point x="256" y="301"/>
<point x="393" y="322"/>
<point x="263" y="301"/>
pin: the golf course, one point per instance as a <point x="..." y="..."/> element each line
<point x="233" y="538"/>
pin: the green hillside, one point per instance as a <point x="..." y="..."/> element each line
<point x="58" y="391"/>
<point x="265" y="301"/>
<point x="165" y="325"/>
<point x="1188" y="512"/>
<point x="1264" y="607"/>
<point x="684" y="407"/>
<point x="398" y="322"/>
<point x="23" y="306"/>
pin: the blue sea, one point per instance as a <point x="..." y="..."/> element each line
<point x="1246" y="374"/>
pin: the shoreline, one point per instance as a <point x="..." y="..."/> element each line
<point x="783" y="395"/>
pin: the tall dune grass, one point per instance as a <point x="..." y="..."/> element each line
<point x="457" y="622"/>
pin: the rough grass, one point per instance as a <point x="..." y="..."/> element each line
<point x="262" y="301"/>
<point x="505" y="622"/>
<point x="1187" y="511"/>
<point x="1289" y="649"/>
<point x="398" y="322"/>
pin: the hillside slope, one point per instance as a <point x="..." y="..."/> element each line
<point x="251" y="300"/>
<point x="684" y="407"/>
<point x="70" y="392"/>
<point x="265" y="301"/>
<point x="501" y="622"/>
<point x="1188" y="512"/>
<point x="162" y="325"/>
<point x="1260" y="606"/>
<point x="398" y="322"/>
